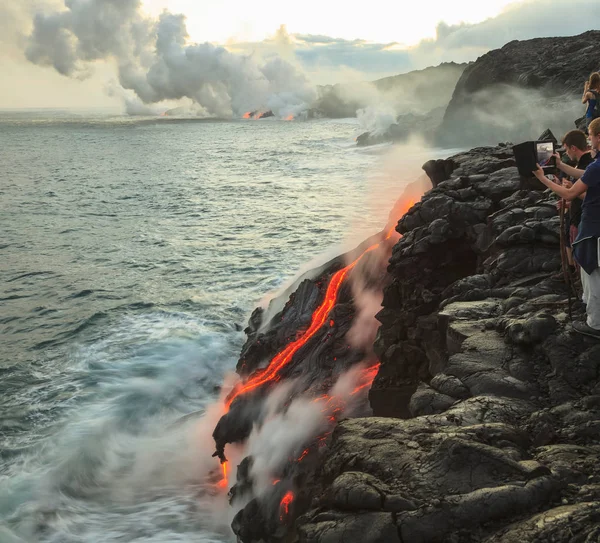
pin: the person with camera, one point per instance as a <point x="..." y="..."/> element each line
<point x="585" y="246"/>
<point x="575" y="145"/>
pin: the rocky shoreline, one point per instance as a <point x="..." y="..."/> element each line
<point x="486" y="406"/>
<point x="512" y="92"/>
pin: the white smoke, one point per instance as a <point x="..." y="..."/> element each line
<point x="156" y="61"/>
<point x="377" y="119"/>
<point x="287" y="431"/>
<point x="364" y="325"/>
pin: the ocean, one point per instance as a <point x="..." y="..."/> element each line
<point x="133" y="251"/>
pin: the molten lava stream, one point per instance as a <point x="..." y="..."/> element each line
<point x="284" y="505"/>
<point x="318" y="319"/>
<point x="223" y="483"/>
<point x="368" y="376"/>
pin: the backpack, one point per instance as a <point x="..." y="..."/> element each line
<point x="596" y="112"/>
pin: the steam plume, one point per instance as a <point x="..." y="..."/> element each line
<point x="287" y="429"/>
<point x="156" y="61"/>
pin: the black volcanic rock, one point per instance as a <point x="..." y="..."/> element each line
<point x="557" y="64"/>
<point x="319" y="362"/>
<point x="493" y="402"/>
<point x="490" y="102"/>
<point x="486" y="425"/>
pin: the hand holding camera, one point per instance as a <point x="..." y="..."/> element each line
<point x="557" y="159"/>
<point x="539" y="172"/>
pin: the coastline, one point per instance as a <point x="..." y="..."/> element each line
<point x="486" y="404"/>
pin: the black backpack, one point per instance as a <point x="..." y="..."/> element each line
<point x="596" y="112"/>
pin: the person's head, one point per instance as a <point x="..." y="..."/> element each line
<point x="575" y="144"/>
<point x="595" y="81"/>
<point x="594" y="130"/>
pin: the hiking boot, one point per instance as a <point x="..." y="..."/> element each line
<point x="583" y="328"/>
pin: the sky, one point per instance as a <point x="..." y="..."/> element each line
<point x="72" y="61"/>
<point x="378" y="21"/>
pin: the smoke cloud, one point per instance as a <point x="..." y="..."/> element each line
<point x="508" y="113"/>
<point x="287" y="430"/>
<point x="157" y="63"/>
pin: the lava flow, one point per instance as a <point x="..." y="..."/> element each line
<point x="271" y="372"/>
<point x="318" y="319"/>
<point x="284" y="505"/>
<point x="368" y="376"/>
<point x="224" y="482"/>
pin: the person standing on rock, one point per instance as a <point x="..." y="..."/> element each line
<point x="591" y="96"/>
<point x="585" y="247"/>
<point x="576" y="147"/>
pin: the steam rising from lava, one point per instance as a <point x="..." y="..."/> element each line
<point x="156" y="62"/>
<point x="280" y="423"/>
<point x="289" y="430"/>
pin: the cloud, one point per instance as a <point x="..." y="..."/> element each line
<point x="155" y="60"/>
<point x="327" y="58"/>
<point x="521" y="20"/>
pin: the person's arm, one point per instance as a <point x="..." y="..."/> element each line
<point x="569" y="170"/>
<point x="566" y="183"/>
<point x="567" y="193"/>
<point x="587" y="95"/>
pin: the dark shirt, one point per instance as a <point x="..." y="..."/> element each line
<point x="575" y="209"/>
<point x="585" y="247"/>
<point x="592" y="104"/>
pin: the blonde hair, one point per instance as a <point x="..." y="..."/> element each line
<point x="595" y="81"/>
<point x="594" y="128"/>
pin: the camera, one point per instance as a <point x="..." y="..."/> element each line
<point x="530" y="153"/>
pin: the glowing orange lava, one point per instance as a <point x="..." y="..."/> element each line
<point x="223" y="482"/>
<point x="367" y="377"/>
<point x="319" y="317"/>
<point x="284" y="505"/>
<point x="303" y="455"/>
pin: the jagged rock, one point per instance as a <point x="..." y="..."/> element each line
<point x="336" y="527"/>
<point x="426" y="401"/>
<point x="438" y="170"/>
<point x="496" y="400"/>
<point x="499" y="184"/>
<point x="551" y="69"/>
<point x="451" y="386"/>
<point x="578" y="523"/>
<point x="466" y="476"/>
<point x="531" y="330"/>
<point x="355" y="490"/>
<point x="547" y="135"/>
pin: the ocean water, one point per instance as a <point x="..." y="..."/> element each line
<point x="132" y="253"/>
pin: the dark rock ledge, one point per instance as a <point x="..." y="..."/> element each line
<point x="486" y="423"/>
